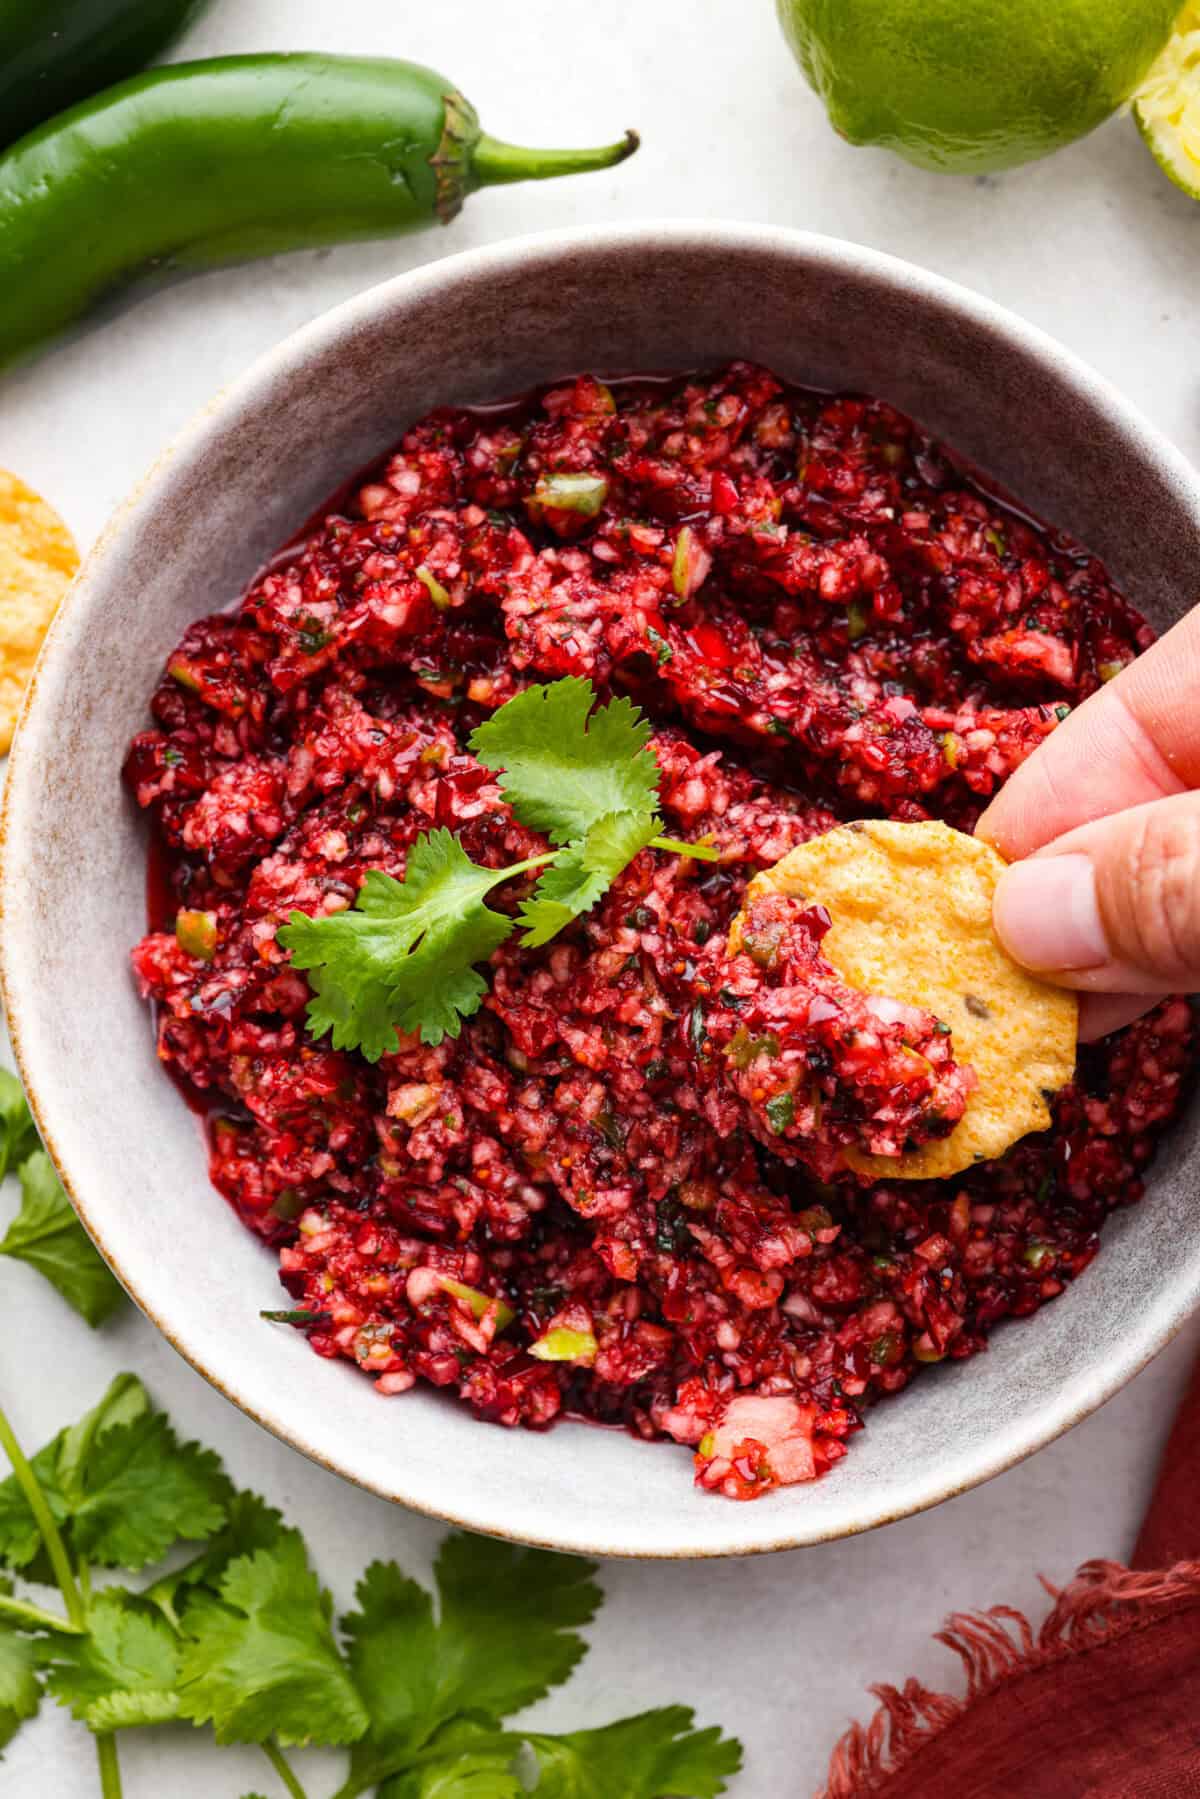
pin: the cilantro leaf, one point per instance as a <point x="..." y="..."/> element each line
<point x="123" y="1672"/>
<point x="260" y="1660"/>
<point x="657" y="1752"/>
<point x="144" y="1491"/>
<point x="250" y="1524"/>
<point x="582" y="873"/>
<point x="59" y="1464"/>
<point x="392" y="1649"/>
<point x="563" y="767"/>
<point x="474" y="1774"/>
<point x="404" y="955"/>
<point x="466" y="1759"/>
<point x="418" y="1676"/>
<point x="508" y="1621"/>
<point x="125" y="1401"/>
<point x="47" y="1234"/>
<point x="18" y="1137"/>
<point x="567" y="888"/>
<point x="652" y="1756"/>
<point x="120" y="1486"/>
<point x="20" y="1692"/>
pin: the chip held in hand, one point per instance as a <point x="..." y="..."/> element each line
<point x="911" y="906"/>
<point x="38" y="561"/>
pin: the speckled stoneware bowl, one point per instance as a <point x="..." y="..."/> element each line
<point x="237" y="483"/>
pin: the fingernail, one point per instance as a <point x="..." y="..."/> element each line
<point x="1047" y="915"/>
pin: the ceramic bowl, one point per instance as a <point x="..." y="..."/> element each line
<point x="240" y="480"/>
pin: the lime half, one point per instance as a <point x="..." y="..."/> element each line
<point x="1167" y="107"/>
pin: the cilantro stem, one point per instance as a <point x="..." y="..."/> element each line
<point x="283" y="1768"/>
<point x="34" y="1617"/>
<point x="28" y="1482"/>
<point x="675" y="846"/>
<point x="520" y="868"/>
<point x="351" y="1788"/>
<point x="110" y="1767"/>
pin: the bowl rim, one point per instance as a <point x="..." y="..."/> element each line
<point x="649" y="236"/>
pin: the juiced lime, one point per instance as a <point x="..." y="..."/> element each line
<point x="970" y="85"/>
<point x="1168" y="104"/>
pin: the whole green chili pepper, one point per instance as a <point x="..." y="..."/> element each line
<point x="208" y="163"/>
<point x="55" y="52"/>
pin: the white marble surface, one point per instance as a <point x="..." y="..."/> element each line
<point x="1096" y="247"/>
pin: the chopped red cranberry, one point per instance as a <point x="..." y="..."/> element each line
<point x="619" y="1194"/>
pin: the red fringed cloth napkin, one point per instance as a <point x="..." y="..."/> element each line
<point x="1101" y="1702"/>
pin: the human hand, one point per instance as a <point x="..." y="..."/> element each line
<point x="1102" y="825"/>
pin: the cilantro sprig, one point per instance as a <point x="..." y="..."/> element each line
<point x="405" y="958"/>
<point x="241" y="1639"/>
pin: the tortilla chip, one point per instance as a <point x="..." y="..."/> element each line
<point x="912" y="918"/>
<point x="38" y="561"/>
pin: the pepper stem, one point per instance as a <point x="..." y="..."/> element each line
<point x="494" y="162"/>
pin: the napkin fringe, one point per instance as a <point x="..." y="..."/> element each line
<point x="1104" y="1601"/>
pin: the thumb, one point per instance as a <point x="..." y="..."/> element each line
<point x="1113" y="907"/>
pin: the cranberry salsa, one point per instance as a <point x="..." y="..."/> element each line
<point x="620" y="1193"/>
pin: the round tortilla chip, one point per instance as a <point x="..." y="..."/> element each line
<point x="38" y="561"/>
<point x="912" y="918"/>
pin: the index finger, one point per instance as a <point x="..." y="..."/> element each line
<point x="1136" y="740"/>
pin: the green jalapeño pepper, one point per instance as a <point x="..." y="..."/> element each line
<point x="55" y="52"/>
<point x="208" y="163"/>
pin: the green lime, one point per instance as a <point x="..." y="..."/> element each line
<point x="1167" y="107"/>
<point x="970" y="85"/>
